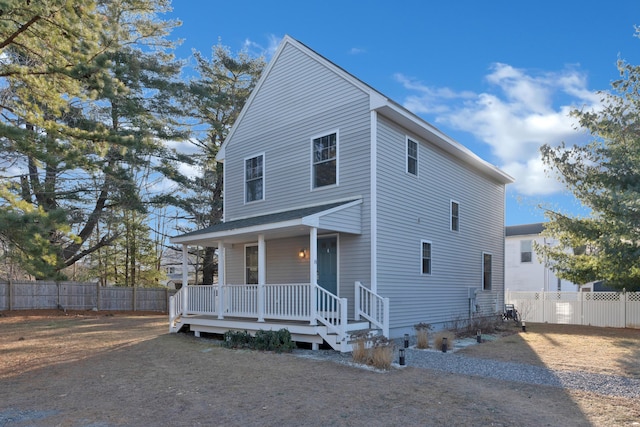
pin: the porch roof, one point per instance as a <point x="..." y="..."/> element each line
<point x="343" y="217"/>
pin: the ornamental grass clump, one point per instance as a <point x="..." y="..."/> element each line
<point x="360" y="352"/>
<point x="439" y="338"/>
<point x="382" y="353"/>
<point x="376" y="351"/>
<point x="422" y="335"/>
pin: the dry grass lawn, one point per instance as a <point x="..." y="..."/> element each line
<point x="126" y="370"/>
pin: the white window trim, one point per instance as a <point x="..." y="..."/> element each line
<point x="422" y="257"/>
<point x="406" y="156"/>
<point x="312" y="177"/>
<point x="482" y="276"/>
<point x="451" y="202"/>
<point x="264" y="178"/>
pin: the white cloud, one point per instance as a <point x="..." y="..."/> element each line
<point x="258" y="49"/>
<point x="518" y="113"/>
<point x="356" y="51"/>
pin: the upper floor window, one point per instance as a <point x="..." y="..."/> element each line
<point x="526" y="250"/>
<point x="487" y="261"/>
<point x="426" y="257"/>
<point x="325" y="160"/>
<point x="455" y="216"/>
<point x="254" y="179"/>
<point x="412" y="157"/>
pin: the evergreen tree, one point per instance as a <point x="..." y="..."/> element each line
<point x="216" y="99"/>
<point x="605" y="176"/>
<point x="85" y="106"/>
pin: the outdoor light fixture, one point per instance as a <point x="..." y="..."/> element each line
<point x="402" y="362"/>
<point x="479" y="336"/>
<point x="524" y="326"/>
<point x="302" y="253"/>
<point x="406" y="340"/>
<point x="444" y="344"/>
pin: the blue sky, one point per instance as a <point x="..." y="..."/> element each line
<point x="500" y="77"/>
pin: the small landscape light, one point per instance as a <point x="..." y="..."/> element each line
<point x="402" y="361"/>
<point x="444" y="344"/>
<point x="524" y="327"/>
<point x="479" y="336"/>
<point x="406" y="340"/>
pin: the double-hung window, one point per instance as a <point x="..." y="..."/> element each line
<point x="455" y="216"/>
<point x="526" y="249"/>
<point x="412" y="157"/>
<point x="254" y="179"/>
<point x="325" y="160"/>
<point x="487" y="261"/>
<point x="426" y="257"/>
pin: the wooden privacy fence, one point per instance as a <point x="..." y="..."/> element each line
<point x="81" y="296"/>
<point x="607" y="309"/>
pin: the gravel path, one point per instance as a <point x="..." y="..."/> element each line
<point x="608" y="385"/>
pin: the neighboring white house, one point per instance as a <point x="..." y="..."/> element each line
<point x="173" y="265"/>
<point x="342" y="211"/>
<point x="524" y="271"/>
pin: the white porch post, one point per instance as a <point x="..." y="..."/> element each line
<point x="313" y="272"/>
<point x="185" y="278"/>
<point x="262" y="275"/>
<point x="221" y="279"/>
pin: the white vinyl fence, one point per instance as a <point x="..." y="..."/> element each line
<point x="607" y="309"/>
<point x="16" y="295"/>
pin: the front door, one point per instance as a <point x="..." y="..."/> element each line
<point x="328" y="264"/>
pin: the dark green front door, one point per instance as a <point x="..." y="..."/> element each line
<point x="328" y="264"/>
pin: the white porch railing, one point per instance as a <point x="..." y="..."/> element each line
<point x="372" y="307"/>
<point x="300" y="301"/>
<point x="279" y="301"/>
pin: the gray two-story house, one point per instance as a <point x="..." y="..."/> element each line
<point x="342" y="211"/>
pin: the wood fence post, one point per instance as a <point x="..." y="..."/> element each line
<point x="10" y="294"/>
<point x="98" y="295"/>
<point x="134" y="297"/>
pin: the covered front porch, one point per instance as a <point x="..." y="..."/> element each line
<point x="308" y="311"/>
<point x="302" y="292"/>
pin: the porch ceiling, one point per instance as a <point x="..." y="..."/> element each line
<point x="342" y="217"/>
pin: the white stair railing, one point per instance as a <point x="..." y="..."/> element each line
<point x="331" y="311"/>
<point x="372" y="307"/>
<point x="175" y="309"/>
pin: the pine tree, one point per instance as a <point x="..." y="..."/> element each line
<point x="605" y="176"/>
<point x="216" y="99"/>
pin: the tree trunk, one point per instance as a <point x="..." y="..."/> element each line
<point x="208" y="266"/>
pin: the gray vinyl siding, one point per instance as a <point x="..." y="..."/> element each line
<point x="411" y="209"/>
<point x="283" y="263"/>
<point x="299" y="99"/>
